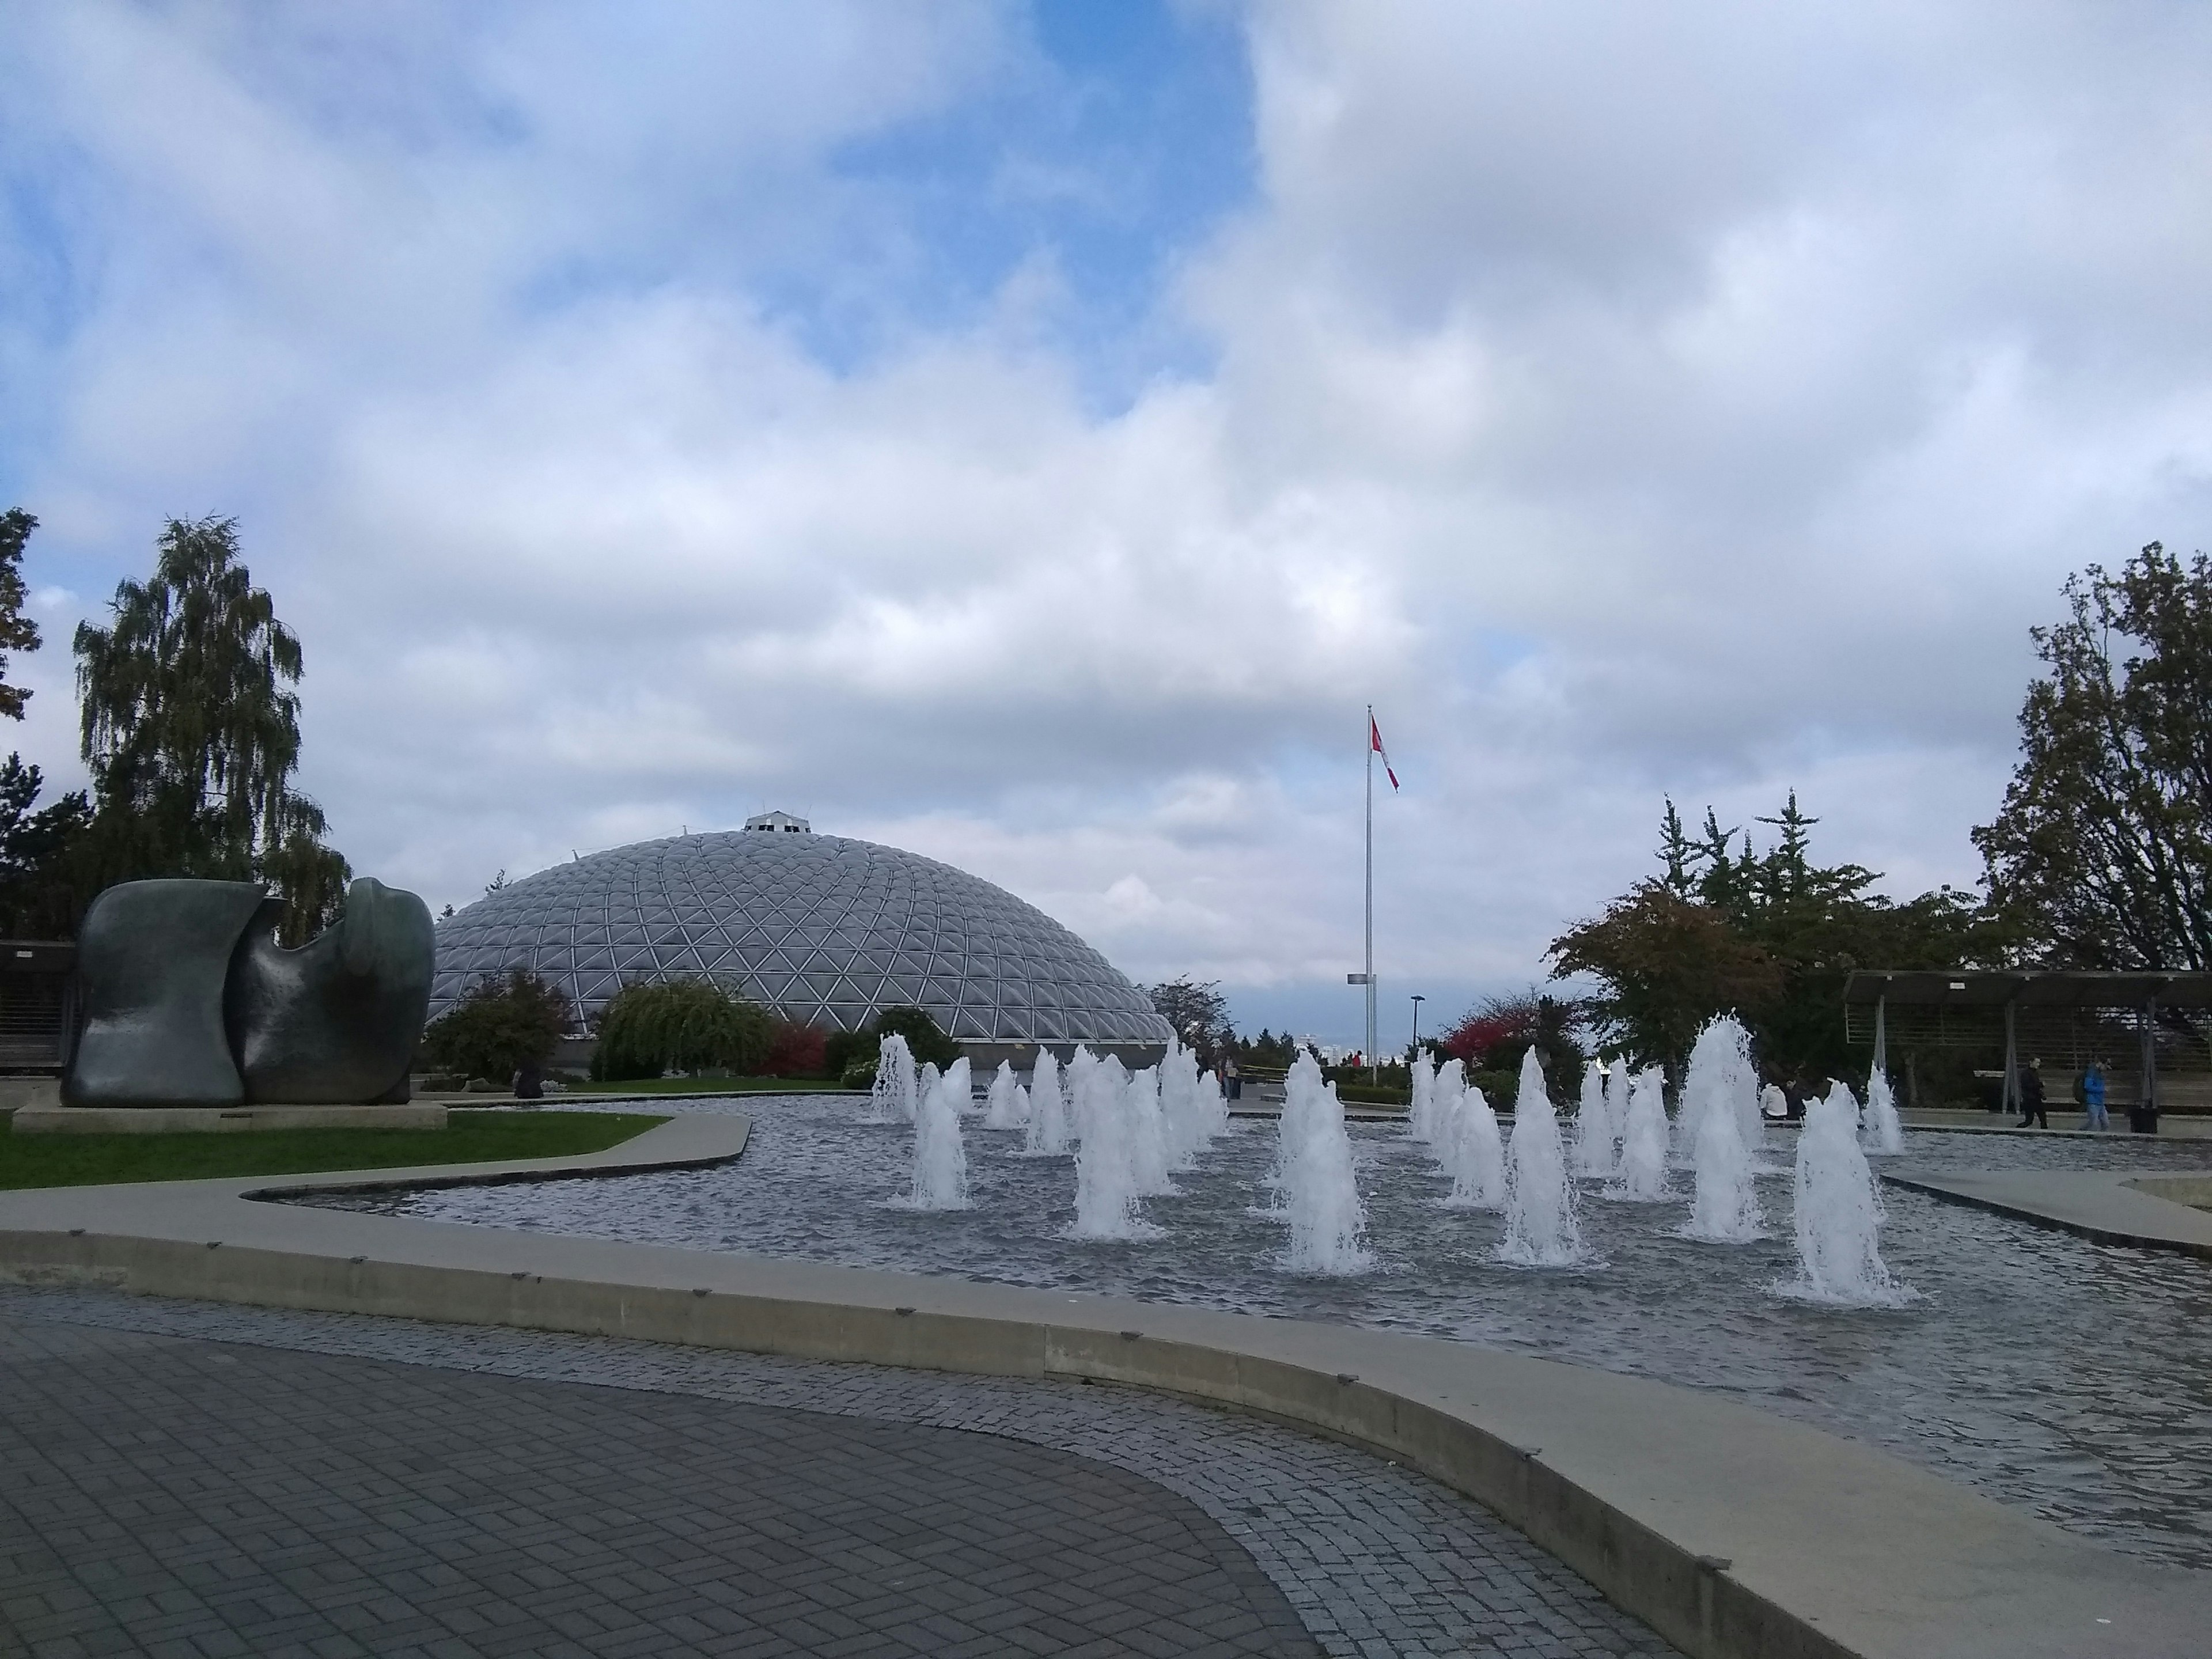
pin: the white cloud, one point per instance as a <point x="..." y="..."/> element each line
<point x="1625" y="400"/>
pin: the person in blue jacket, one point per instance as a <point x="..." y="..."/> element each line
<point x="2093" y="1095"/>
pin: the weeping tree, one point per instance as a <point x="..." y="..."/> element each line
<point x="191" y="728"/>
<point x="681" y="1024"/>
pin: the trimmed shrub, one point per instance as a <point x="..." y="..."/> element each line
<point x="797" y="1050"/>
<point x="498" y="1025"/>
<point x="682" y="1026"/>
<point x="844" y="1050"/>
<point x="921" y="1033"/>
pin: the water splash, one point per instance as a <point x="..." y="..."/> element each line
<point x="1004" y="1103"/>
<point x="1147" y="1131"/>
<point x="897" y="1091"/>
<point x="1193" y="1113"/>
<point x="1420" y="1115"/>
<point x="1839" y="1213"/>
<point x="1478" y="1151"/>
<point x="1594" y="1138"/>
<point x="1320" y="1195"/>
<point x="1721" y="1079"/>
<point x="1884" y="1130"/>
<point x="1105" y="1168"/>
<point x="1542" y="1228"/>
<point x="1725" y="1209"/>
<point x="1048" y="1118"/>
<point x="940" y="1161"/>
<point x="1643" y="1175"/>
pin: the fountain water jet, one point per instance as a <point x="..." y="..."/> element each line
<point x="1478" y="1159"/>
<point x="896" y="1091"/>
<point x="1420" y="1113"/>
<point x="1105" y="1168"/>
<point x="1839" y="1213"/>
<point x="940" y="1161"/>
<point x="1212" y="1109"/>
<point x="1047" y="1117"/>
<point x="1643" y="1175"/>
<point x="1320" y="1196"/>
<point x="1725" y="1209"/>
<point x="1594" y="1151"/>
<point x="1186" y="1109"/>
<point x="1004" y="1102"/>
<point x="1721" y="1079"/>
<point x="1884" y="1130"/>
<point x="1447" y="1093"/>
<point x="1148" y="1139"/>
<point x="1541" y="1229"/>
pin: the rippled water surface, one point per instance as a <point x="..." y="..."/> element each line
<point x="2070" y="1378"/>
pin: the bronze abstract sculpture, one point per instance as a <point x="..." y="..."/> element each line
<point x="186" y="1000"/>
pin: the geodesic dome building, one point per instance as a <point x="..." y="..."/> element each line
<point x="825" y="929"/>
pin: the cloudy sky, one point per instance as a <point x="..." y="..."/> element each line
<point x="1029" y="434"/>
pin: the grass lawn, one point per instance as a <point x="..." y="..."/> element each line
<point x="710" y="1085"/>
<point x="473" y="1138"/>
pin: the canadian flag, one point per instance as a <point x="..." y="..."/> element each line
<point x="1374" y="742"/>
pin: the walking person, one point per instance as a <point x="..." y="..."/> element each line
<point x="2031" y="1108"/>
<point x="2092" y="1096"/>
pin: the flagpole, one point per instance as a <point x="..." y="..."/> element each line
<point x="1370" y="964"/>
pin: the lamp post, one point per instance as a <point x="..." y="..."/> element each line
<point x="1418" y="1001"/>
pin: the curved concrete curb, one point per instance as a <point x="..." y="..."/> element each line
<point x="2108" y="1206"/>
<point x="1731" y="1532"/>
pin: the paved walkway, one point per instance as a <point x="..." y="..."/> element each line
<point x="2111" y="1206"/>
<point x="198" y="1479"/>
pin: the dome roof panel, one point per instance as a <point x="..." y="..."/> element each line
<point x="865" y="925"/>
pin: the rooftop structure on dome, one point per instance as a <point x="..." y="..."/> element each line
<point x="826" y="929"/>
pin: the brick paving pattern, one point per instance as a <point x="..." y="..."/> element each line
<point x="196" y="1479"/>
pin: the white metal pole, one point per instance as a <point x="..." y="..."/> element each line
<point x="1368" y="743"/>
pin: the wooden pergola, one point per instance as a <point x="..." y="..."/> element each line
<point x="2075" y="1016"/>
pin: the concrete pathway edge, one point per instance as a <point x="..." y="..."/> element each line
<point x="2107" y="1207"/>
<point x="1730" y="1532"/>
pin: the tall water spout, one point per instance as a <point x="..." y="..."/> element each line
<point x="1721" y="1079"/>
<point x="1420" y="1115"/>
<point x="1725" y="1210"/>
<point x="1541" y="1229"/>
<point x="1048" y="1127"/>
<point x="1004" y="1102"/>
<point x="940" y="1162"/>
<point x="897" y="1091"/>
<point x="1447" y="1100"/>
<point x="1884" y="1131"/>
<point x="1617" y="1086"/>
<point x="1212" y="1109"/>
<point x="1594" y="1149"/>
<point x="1839" y="1213"/>
<point x="1642" y="1177"/>
<point x="1320" y="1198"/>
<point x="1184" y="1109"/>
<point x="1148" y="1137"/>
<point x="1105" y="1170"/>
<point x="1478" y="1160"/>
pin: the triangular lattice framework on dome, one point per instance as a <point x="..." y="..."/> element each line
<point x="828" y="930"/>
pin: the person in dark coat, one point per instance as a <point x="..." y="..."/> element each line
<point x="2032" y="1108"/>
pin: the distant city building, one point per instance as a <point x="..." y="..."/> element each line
<point x="826" y="929"/>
